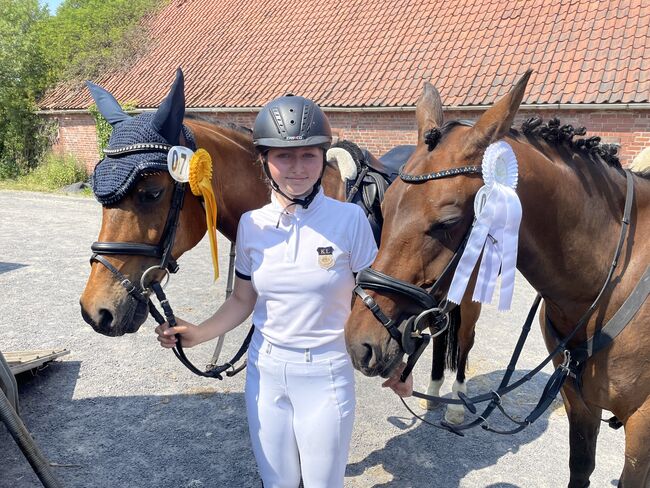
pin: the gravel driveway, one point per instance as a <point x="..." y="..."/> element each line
<point x="122" y="412"/>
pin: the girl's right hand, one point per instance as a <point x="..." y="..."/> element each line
<point x="190" y="334"/>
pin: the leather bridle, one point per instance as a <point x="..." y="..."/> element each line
<point x="412" y="340"/>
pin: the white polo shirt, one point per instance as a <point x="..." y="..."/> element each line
<point x="301" y="266"/>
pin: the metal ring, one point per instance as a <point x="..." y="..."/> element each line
<point x="443" y="329"/>
<point x="498" y="397"/>
<point x="165" y="278"/>
<point x="422" y="314"/>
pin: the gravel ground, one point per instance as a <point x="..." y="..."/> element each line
<point x="122" y="412"/>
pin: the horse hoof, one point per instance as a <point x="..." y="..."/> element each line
<point x="455" y="417"/>
<point x="428" y="404"/>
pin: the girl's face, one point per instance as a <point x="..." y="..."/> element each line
<point x="295" y="169"/>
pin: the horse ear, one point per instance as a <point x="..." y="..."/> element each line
<point x="428" y="110"/>
<point x="169" y="116"/>
<point x="497" y="120"/>
<point x="107" y="105"/>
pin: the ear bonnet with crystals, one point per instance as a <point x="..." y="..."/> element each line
<point x="138" y="144"/>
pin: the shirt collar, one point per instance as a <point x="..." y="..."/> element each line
<point x="316" y="202"/>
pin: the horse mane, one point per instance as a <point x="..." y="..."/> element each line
<point x="556" y="134"/>
<point x="228" y="125"/>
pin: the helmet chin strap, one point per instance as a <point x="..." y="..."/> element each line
<point x="303" y="202"/>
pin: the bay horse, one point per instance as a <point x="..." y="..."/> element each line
<point x="140" y="216"/>
<point x="573" y="194"/>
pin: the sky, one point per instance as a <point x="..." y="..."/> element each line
<point x="52" y="5"/>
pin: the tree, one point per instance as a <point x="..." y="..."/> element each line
<point x="87" y="37"/>
<point x="23" y="77"/>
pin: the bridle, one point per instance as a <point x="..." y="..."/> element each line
<point x="412" y="341"/>
<point x="163" y="251"/>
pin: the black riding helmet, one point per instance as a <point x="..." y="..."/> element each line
<point x="291" y="121"/>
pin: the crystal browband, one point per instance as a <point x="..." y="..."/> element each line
<point x="134" y="148"/>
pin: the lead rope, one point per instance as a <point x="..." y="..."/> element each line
<point x="216" y="372"/>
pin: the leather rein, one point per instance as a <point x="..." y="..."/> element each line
<point x="163" y="251"/>
<point x="413" y="341"/>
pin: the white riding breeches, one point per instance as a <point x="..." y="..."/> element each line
<point x="300" y="406"/>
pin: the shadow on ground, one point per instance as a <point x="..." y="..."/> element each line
<point x="424" y="456"/>
<point x="137" y="441"/>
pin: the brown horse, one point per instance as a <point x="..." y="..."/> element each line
<point x="573" y="202"/>
<point x="239" y="185"/>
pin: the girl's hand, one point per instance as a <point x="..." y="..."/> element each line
<point x="190" y="334"/>
<point x="404" y="389"/>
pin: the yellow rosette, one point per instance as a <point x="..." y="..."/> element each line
<point x="201" y="185"/>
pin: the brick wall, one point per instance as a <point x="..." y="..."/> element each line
<point x="76" y="135"/>
<point x="379" y="131"/>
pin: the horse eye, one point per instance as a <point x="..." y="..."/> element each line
<point x="443" y="226"/>
<point x="149" y="196"/>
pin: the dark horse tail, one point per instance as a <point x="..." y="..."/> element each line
<point x="450" y="340"/>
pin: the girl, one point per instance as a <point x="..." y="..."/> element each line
<point x="295" y="265"/>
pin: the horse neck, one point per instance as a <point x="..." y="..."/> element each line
<point x="569" y="231"/>
<point x="237" y="180"/>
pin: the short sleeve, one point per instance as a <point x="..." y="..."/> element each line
<point x="242" y="257"/>
<point x="363" y="248"/>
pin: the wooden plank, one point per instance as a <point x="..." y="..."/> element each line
<point x="20" y="361"/>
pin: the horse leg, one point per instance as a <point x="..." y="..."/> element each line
<point x="437" y="372"/>
<point x="584" y="425"/>
<point x="469" y="313"/>
<point x="636" y="471"/>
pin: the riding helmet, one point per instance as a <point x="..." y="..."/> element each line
<point x="291" y="121"/>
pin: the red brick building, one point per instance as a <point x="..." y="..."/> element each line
<point x="365" y="61"/>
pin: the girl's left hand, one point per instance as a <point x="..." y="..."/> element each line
<point x="404" y="389"/>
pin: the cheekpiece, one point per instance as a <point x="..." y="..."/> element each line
<point x="134" y="149"/>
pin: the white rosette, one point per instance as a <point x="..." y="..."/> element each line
<point x="495" y="231"/>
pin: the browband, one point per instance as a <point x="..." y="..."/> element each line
<point x="136" y="148"/>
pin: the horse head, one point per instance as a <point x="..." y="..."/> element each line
<point x="426" y="220"/>
<point x="136" y="192"/>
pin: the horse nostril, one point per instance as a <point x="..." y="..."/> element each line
<point x="362" y="353"/>
<point x="105" y="319"/>
<point x="369" y="358"/>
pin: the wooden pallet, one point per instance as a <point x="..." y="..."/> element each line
<point x="20" y="361"/>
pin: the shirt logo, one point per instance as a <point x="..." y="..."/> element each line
<point x="325" y="257"/>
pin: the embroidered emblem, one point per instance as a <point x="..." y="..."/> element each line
<point x="325" y="257"/>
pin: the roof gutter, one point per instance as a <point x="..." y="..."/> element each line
<point x="453" y="108"/>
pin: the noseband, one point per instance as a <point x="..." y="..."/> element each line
<point x="412" y="341"/>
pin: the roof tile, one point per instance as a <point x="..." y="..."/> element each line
<point x="375" y="53"/>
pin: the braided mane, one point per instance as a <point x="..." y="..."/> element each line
<point x="551" y="132"/>
<point x="554" y="133"/>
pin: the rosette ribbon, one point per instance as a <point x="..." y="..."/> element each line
<point x="495" y="231"/>
<point x="200" y="179"/>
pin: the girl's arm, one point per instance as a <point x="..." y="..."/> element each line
<point x="231" y="314"/>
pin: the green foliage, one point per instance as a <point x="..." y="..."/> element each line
<point x="87" y="37"/>
<point x="56" y="171"/>
<point x="84" y="39"/>
<point x="103" y="128"/>
<point x="23" y="77"/>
